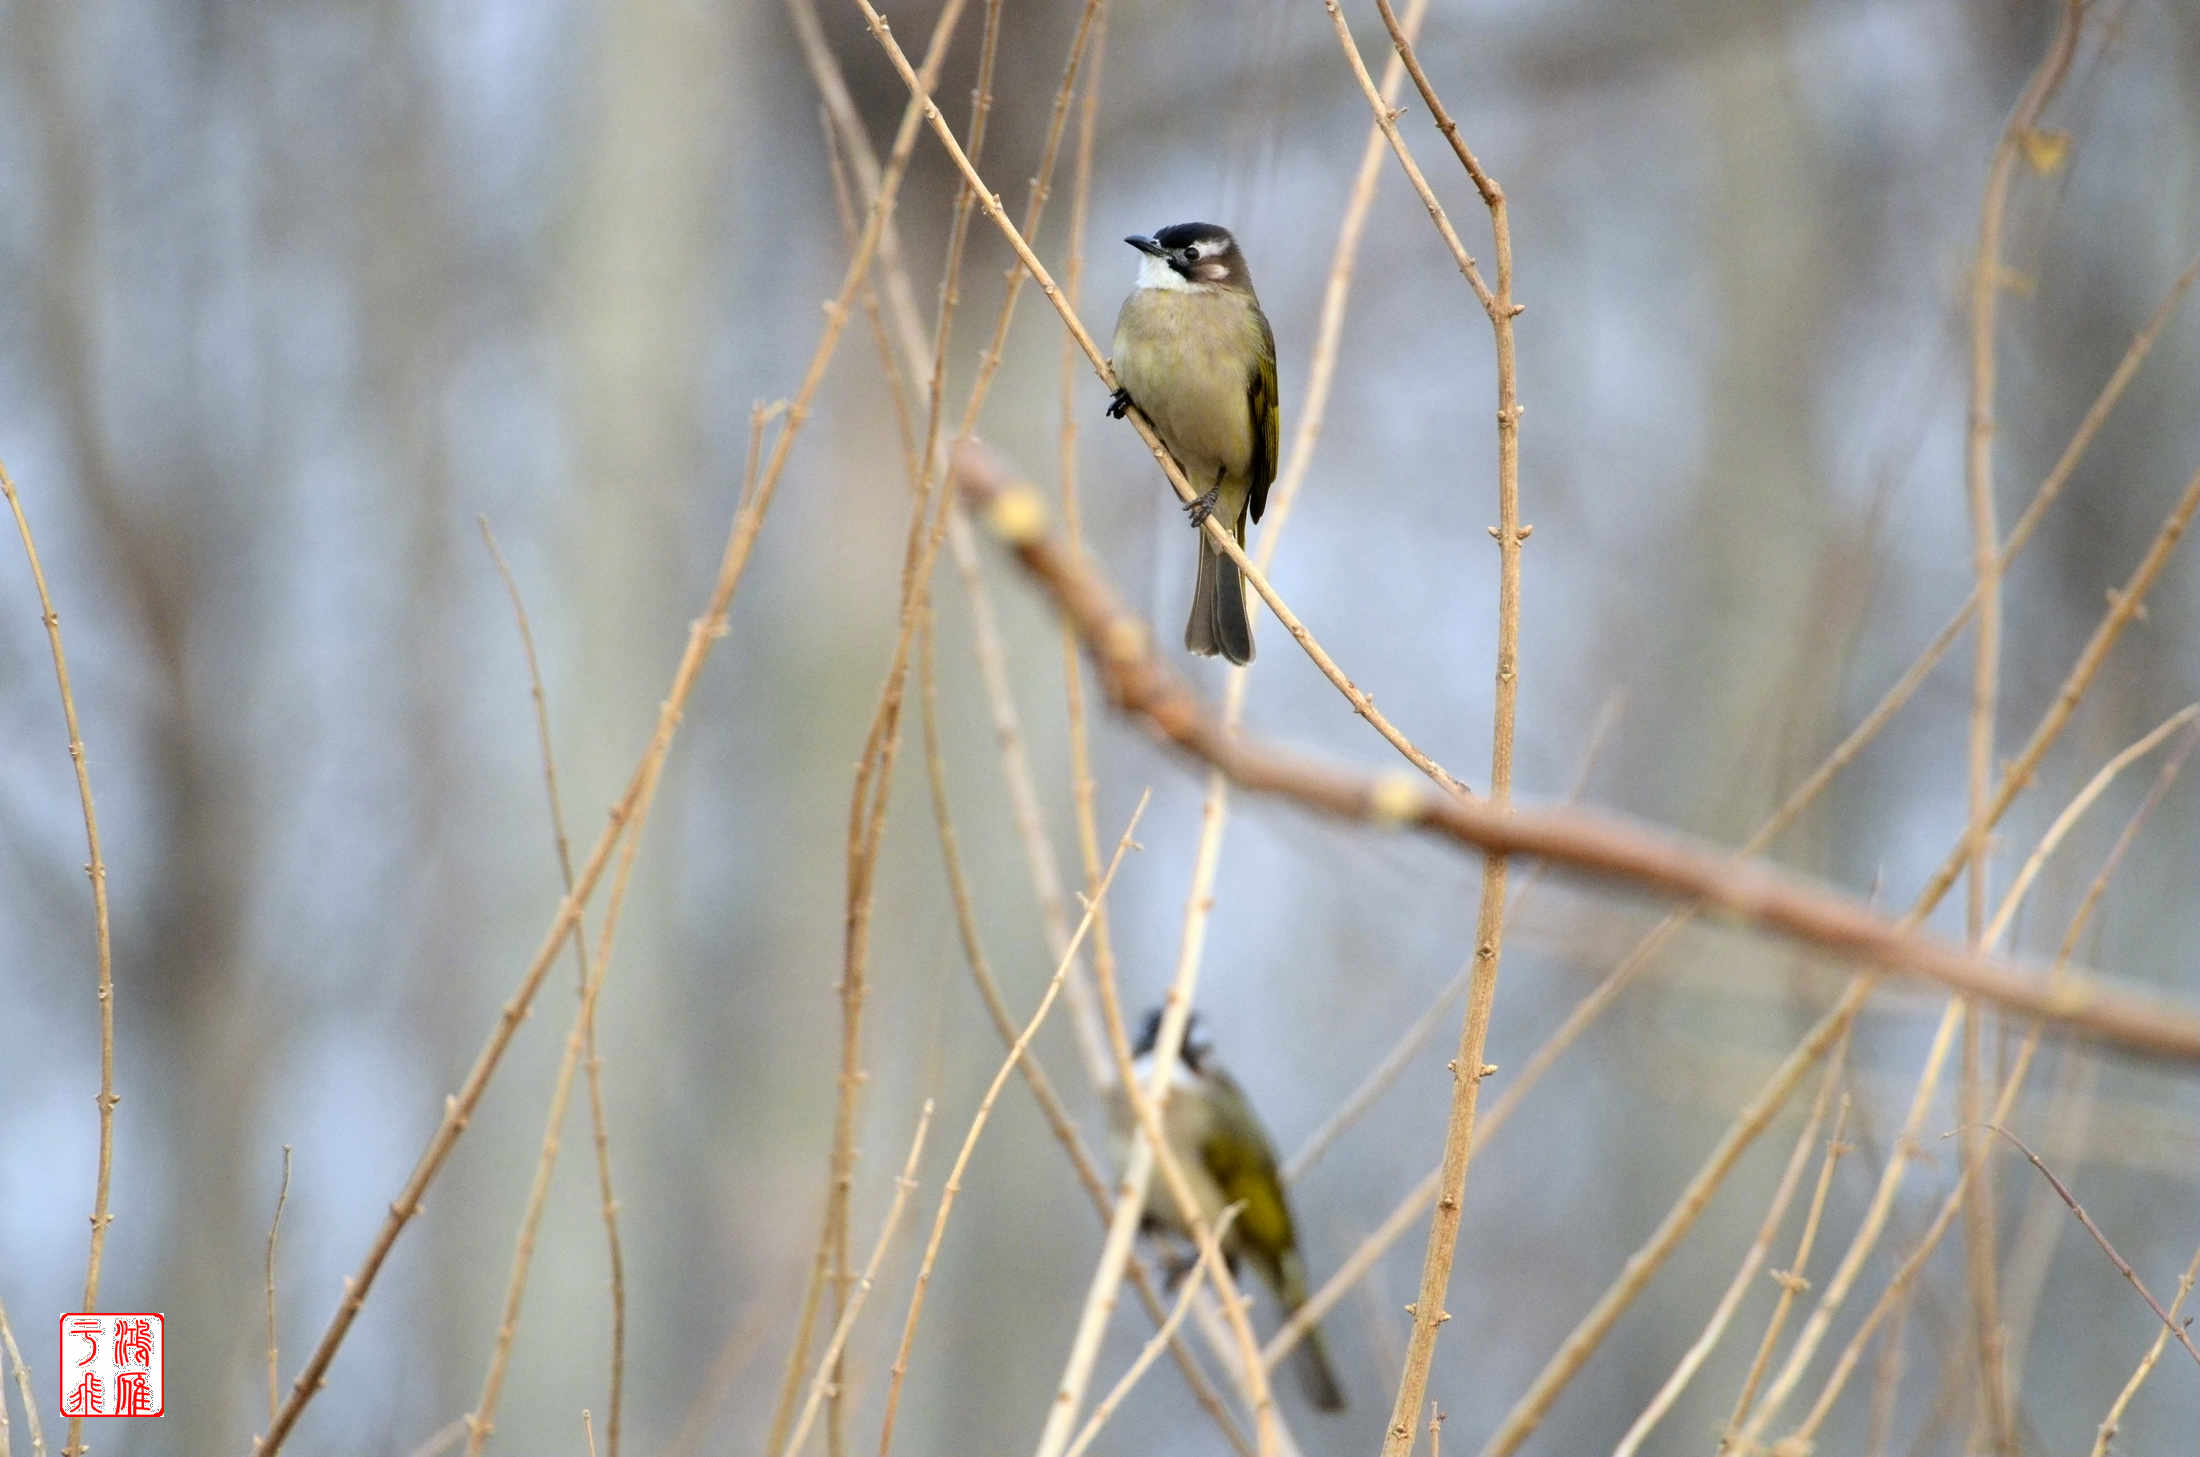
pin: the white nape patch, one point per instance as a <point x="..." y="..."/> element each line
<point x="1156" y="273"/>
<point x="1182" y="1078"/>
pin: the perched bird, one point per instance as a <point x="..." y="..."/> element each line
<point x="1227" y="1158"/>
<point x="1194" y="353"/>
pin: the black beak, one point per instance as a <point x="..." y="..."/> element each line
<point x="1146" y="245"/>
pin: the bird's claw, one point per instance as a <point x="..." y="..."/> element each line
<point x="1202" y="508"/>
<point x="1119" y="402"/>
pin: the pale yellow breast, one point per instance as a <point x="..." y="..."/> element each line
<point x="1187" y="1121"/>
<point x="1186" y="360"/>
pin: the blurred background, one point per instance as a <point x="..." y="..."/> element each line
<point x="290" y="294"/>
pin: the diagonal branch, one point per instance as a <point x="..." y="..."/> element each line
<point x="1601" y="845"/>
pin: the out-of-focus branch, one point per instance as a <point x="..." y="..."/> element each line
<point x="2145" y="1368"/>
<point x="14" y="1358"/>
<point x="1906" y="1145"/>
<point x="706" y="629"/>
<point x="953" y="1186"/>
<point x="1978" y="476"/>
<point x="1140" y="685"/>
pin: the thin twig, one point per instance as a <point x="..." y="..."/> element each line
<point x="1590" y="1332"/>
<point x="1511" y="534"/>
<point x="1753" y="1259"/>
<point x="1141" y="685"/>
<point x="1321" y="368"/>
<point x="2111" y="1422"/>
<point x="839" y="1341"/>
<point x="23" y="1384"/>
<point x="1887" y="1374"/>
<point x="598" y="1119"/>
<point x="2122" y="1265"/>
<point x="1042" y="1088"/>
<point x="953" y="1186"/>
<point x="1082" y="789"/>
<point x="1986" y="283"/>
<point x="1897" y="1289"/>
<point x="1409" y="1045"/>
<point x="96" y="868"/>
<point x="1791" y="1280"/>
<point x="1905" y="1147"/>
<point x="1869" y="1229"/>
<point x="702" y="632"/>
<point x="1146" y="1153"/>
<point x="1147" y="1355"/>
<point x="2069" y="1125"/>
<point x="1199" y="898"/>
<point x="1606" y="992"/>
<point x="275" y="1228"/>
<point x="844" y="202"/>
<point x="1387" y="118"/>
<point x="871" y="793"/>
<point x="481" y="1422"/>
<point x="1015" y="761"/>
<point x="1223" y="540"/>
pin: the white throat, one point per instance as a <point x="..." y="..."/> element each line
<point x="1181" y="1078"/>
<point x="1156" y="273"/>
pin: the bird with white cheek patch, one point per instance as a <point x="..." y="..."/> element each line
<point x="1227" y="1158"/>
<point x="1194" y="353"/>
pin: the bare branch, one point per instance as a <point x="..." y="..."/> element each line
<point x="1596" y="844"/>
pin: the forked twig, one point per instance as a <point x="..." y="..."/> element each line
<point x="2122" y="1265"/>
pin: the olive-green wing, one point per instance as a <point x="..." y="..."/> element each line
<point x="1261" y="402"/>
<point x="1239" y="1157"/>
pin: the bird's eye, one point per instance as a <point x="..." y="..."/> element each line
<point x="1191" y="254"/>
